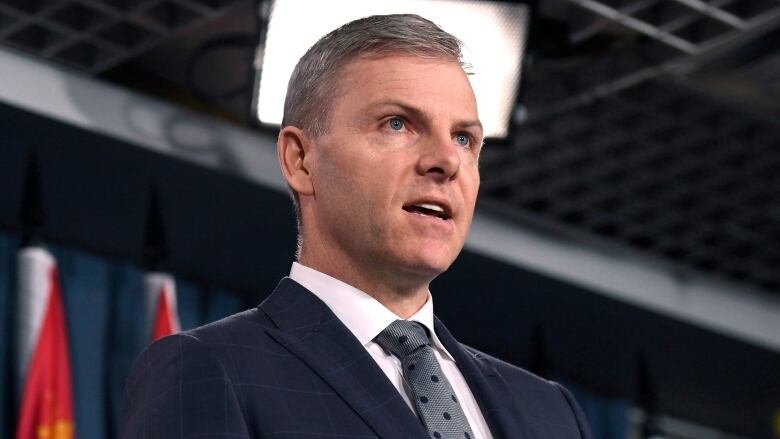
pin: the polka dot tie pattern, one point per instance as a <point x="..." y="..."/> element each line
<point x="436" y="403"/>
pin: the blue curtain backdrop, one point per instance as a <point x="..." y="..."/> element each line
<point x="608" y="417"/>
<point x="104" y="307"/>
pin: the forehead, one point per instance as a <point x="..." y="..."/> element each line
<point x="430" y="83"/>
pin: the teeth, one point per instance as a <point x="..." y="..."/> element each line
<point x="431" y="207"/>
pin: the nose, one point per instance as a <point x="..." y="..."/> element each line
<point x="439" y="158"/>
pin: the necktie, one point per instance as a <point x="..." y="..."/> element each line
<point x="432" y="394"/>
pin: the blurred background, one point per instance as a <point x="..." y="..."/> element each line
<point x="626" y="240"/>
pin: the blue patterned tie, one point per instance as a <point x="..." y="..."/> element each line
<point x="432" y="394"/>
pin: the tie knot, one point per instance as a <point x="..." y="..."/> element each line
<point x="403" y="337"/>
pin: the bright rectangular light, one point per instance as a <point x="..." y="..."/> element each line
<point x="493" y="35"/>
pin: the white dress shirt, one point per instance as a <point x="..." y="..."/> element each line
<point x="365" y="317"/>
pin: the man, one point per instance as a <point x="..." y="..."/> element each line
<point x="379" y="145"/>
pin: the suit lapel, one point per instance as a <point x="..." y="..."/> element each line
<point x="489" y="388"/>
<point x="313" y="333"/>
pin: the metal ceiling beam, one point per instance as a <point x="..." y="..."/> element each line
<point x="711" y="10"/>
<point x="690" y="17"/>
<point x="654" y="32"/>
<point x="598" y="26"/>
<point x="762" y="23"/>
<point x="638" y="6"/>
<point x="678" y="66"/>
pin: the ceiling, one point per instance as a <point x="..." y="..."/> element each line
<point x="95" y="35"/>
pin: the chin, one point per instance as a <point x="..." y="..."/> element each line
<point x="432" y="263"/>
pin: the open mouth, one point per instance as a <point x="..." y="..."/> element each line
<point x="429" y="209"/>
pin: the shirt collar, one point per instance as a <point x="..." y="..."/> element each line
<point x="363" y="315"/>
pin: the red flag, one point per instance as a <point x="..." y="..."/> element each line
<point x="161" y="305"/>
<point x="47" y="403"/>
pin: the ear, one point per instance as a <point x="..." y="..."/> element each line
<point x="293" y="146"/>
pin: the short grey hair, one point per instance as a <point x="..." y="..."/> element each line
<point x="314" y="82"/>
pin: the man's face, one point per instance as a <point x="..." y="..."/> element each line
<point x="395" y="177"/>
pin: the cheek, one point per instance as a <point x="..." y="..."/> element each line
<point x="338" y="177"/>
<point x="470" y="186"/>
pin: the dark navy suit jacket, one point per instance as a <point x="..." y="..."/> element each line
<point x="290" y="369"/>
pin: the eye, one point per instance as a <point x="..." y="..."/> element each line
<point x="396" y="124"/>
<point x="462" y="139"/>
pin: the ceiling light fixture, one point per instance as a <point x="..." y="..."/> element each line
<point x="493" y="35"/>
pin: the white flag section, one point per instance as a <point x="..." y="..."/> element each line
<point x="162" y="316"/>
<point x="34" y="286"/>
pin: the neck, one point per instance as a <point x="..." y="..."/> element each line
<point x="403" y="299"/>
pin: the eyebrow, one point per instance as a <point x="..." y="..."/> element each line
<point x="471" y="124"/>
<point x="421" y="114"/>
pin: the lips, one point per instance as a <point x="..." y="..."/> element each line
<point x="432" y="208"/>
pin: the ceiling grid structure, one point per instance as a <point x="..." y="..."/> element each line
<point x="94" y="35"/>
<point x="691" y="26"/>
<point x="660" y="169"/>
<point x="657" y="38"/>
<point x="637" y="146"/>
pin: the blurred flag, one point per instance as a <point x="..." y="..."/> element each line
<point x="161" y="305"/>
<point x="47" y="403"/>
